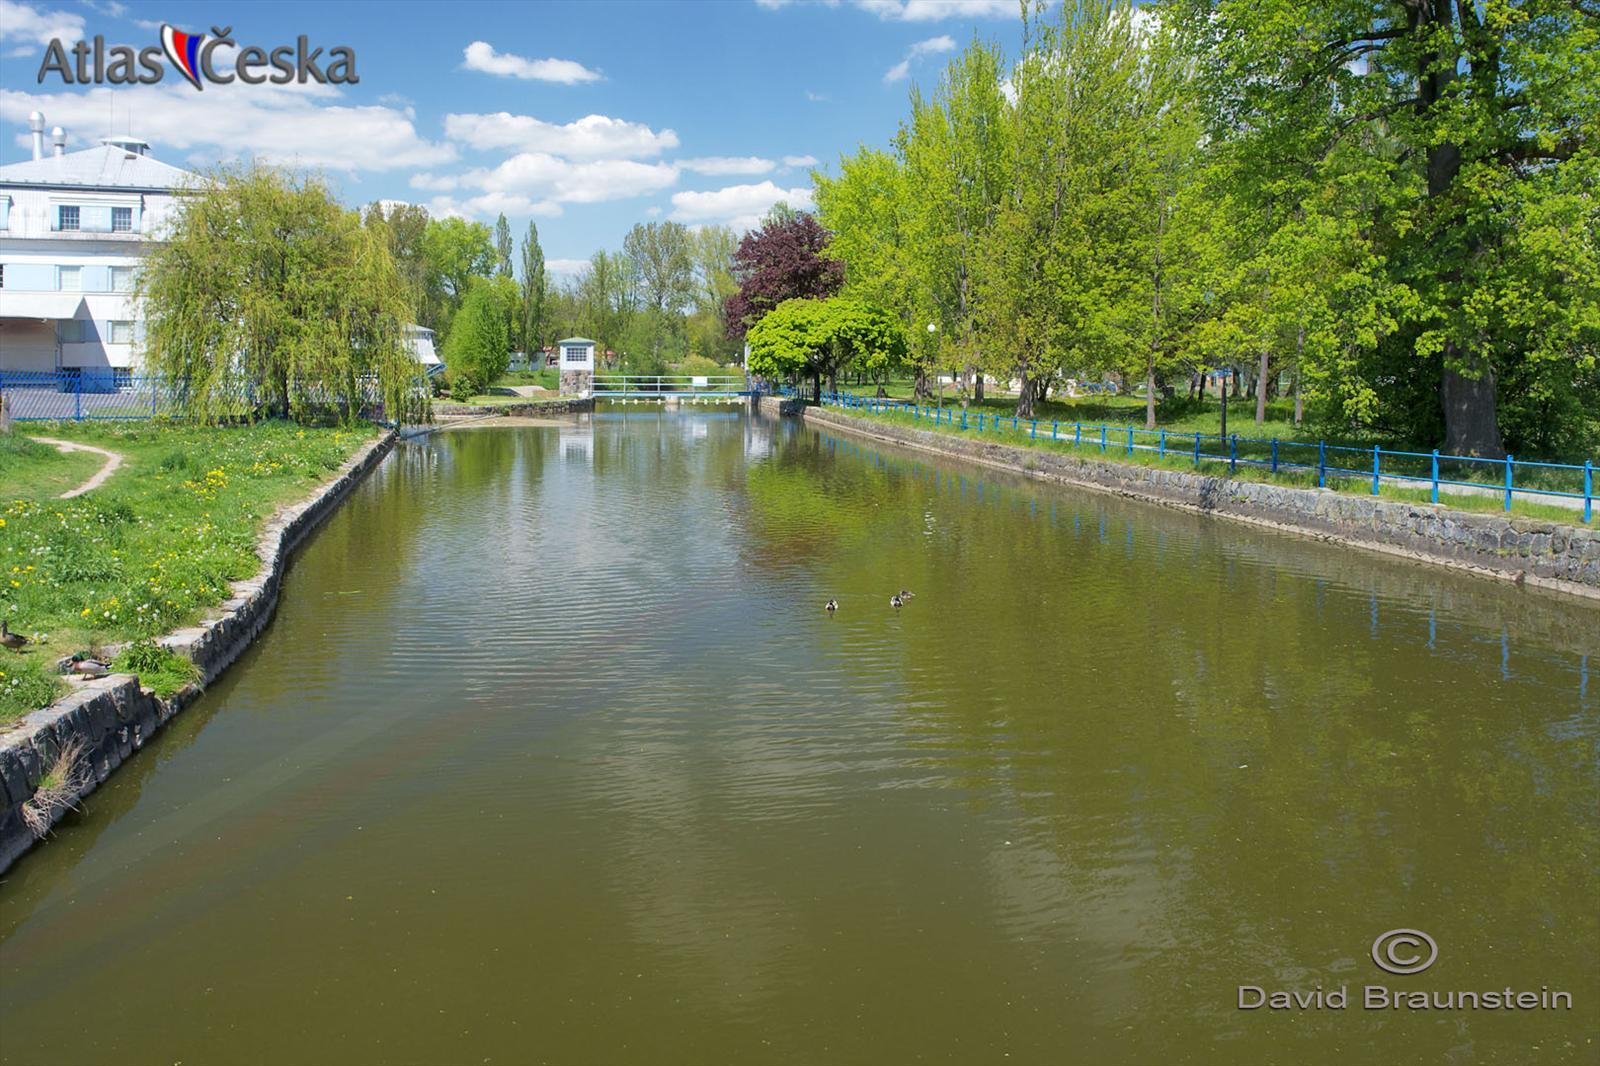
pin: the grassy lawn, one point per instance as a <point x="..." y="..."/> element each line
<point x="1180" y="457"/>
<point x="39" y="470"/>
<point x="149" y="550"/>
<point x="545" y="377"/>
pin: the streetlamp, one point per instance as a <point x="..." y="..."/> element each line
<point x="938" y="387"/>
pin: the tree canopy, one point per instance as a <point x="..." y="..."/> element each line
<point x="265" y="286"/>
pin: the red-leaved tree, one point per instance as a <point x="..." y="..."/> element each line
<point x="785" y="258"/>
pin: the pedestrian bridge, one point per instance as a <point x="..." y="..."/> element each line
<point x="670" y="387"/>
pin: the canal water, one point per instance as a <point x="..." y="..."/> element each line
<point x="553" y="755"/>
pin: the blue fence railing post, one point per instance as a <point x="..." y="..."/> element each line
<point x="963" y="419"/>
<point x="1130" y="440"/>
<point x="77" y="397"/>
<point x="1588" y="490"/>
<point x="1436" y="475"/>
<point x="1033" y="434"/>
<point x="1197" y="449"/>
<point x="1102" y="438"/>
<point x="1322" y="464"/>
<point x="1233" y="453"/>
<point x="1052" y="430"/>
<point x="1163" y="442"/>
<point x="1508" y="481"/>
<point x="1274" y="455"/>
<point x="1077" y="433"/>
<point x="1375" y="473"/>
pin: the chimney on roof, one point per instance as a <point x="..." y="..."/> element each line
<point x="36" y="125"/>
<point x="58" y="138"/>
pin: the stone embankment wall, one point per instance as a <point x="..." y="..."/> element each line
<point x="1529" y="551"/>
<point x="533" y="408"/>
<point x="106" y="720"/>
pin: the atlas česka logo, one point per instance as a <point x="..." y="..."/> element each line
<point x="195" y="56"/>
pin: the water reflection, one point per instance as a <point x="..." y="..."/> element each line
<point x="553" y="753"/>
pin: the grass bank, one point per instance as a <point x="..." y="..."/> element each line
<point x="151" y="549"/>
<point x="29" y="468"/>
<point x="1023" y="434"/>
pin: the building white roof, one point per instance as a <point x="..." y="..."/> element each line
<point x="104" y="166"/>
<point x="577" y="340"/>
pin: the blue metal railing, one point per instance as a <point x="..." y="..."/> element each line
<point x="1375" y="465"/>
<point x="622" y="386"/>
<point x="111" y="394"/>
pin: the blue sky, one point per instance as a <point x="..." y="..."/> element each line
<point x="586" y="117"/>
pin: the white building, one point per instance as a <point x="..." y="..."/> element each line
<point x="74" y="227"/>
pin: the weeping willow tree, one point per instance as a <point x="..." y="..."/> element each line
<point x="269" y="297"/>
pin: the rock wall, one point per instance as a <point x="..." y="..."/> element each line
<point x="1529" y="551"/>
<point x="108" y="719"/>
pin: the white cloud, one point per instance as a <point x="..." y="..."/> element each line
<point x="723" y="165"/>
<point x="565" y="266"/>
<point x="932" y="46"/>
<point x="289" y="124"/>
<point x="935" y="10"/>
<point x="815" y="98"/>
<point x="481" y="56"/>
<point x="799" y="160"/>
<point x="590" y="137"/>
<point x="26" y="29"/>
<point x="106" y="7"/>
<point x="917" y="10"/>
<point x="539" y="183"/>
<point x="741" y="206"/>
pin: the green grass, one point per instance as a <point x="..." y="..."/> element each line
<point x="28" y="467"/>
<point x="1180" y="457"/>
<point x="545" y="377"/>
<point x="154" y="547"/>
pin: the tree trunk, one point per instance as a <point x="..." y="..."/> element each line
<point x="1025" y="396"/>
<point x="1299" y="353"/>
<point x="977" y="387"/>
<point x="1261" y="389"/>
<point x="1470" y="423"/>
<point x="816" y="387"/>
<point x="1150" y="395"/>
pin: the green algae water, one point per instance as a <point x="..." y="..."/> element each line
<point x="551" y="754"/>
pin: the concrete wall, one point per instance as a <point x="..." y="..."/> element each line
<point x="113" y="717"/>
<point x="1528" y="551"/>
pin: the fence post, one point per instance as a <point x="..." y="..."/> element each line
<point x="1436" y="475"/>
<point x="1163" y="442"/>
<point x="1102" y="439"/>
<point x="1130" y="440"/>
<point x="1052" y="430"/>
<point x="1013" y="423"/>
<point x="1233" y="453"/>
<point x="963" y="419"/>
<point x="1588" y="490"/>
<point x="1322" y="464"/>
<point x="1508" y="481"/>
<point x="1033" y="434"/>
<point x="1197" y="448"/>
<point x="1274" y="455"/>
<point x="77" y="397"/>
<point x="1077" y="434"/>
<point x="1375" y="474"/>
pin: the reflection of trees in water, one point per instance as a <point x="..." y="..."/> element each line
<point x="1237" y="750"/>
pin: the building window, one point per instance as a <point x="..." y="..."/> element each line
<point x="2" y="275"/>
<point x="72" y="331"/>
<point x="69" y="217"/>
<point x="576" y="353"/>
<point x="121" y="333"/>
<point x="122" y="220"/>
<point x="121" y="279"/>
<point x="122" y="377"/>
<point x="72" y="278"/>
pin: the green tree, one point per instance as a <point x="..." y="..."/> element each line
<point x="806" y="337"/>
<point x="1469" y="129"/>
<point x="456" y="251"/>
<point x="266" y="283"/>
<point x="535" y="286"/>
<point x="502" y="246"/>
<point x="478" y="349"/>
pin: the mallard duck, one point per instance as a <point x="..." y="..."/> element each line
<point x="831" y="605"/>
<point x="896" y="602"/>
<point x="83" y="666"/>
<point x="14" y="641"/>
<point x="905" y="596"/>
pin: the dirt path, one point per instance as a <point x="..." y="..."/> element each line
<point x="113" y="460"/>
